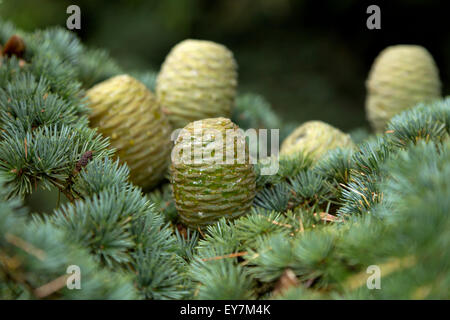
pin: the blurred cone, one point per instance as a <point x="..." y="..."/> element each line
<point x="315" y="138"/>
<point x="197" y="80"/>
<point x="401" y="77"/>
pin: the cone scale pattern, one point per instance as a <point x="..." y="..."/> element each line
<point x="210" y="189"/>
<point x="315" y="138"/>
<point x="127" y="112"/>
<point x="197" y="80"/>
<point x="401" y="77"/>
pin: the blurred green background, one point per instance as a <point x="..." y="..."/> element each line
<point x="309" y="58"/>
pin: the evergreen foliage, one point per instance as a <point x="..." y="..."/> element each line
<point x="46" y="141"/>
<point x="385" y="203"/>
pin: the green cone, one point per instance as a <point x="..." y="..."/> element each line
<point x="401" y="77"/>
<point x="209" y="189"/>
<point x="197" y="80"/>
<point x="127" y="112"/>
<point x="315" y="138"/>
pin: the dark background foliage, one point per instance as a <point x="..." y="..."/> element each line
<point x="309" y="58"/>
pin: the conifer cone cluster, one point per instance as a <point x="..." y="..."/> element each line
<point x="127" y="112"/>
<point x="209" y="189"/>
<point x="401" y="77"/>
<point x="197" y="80"/>
<point x="315" y="138"/>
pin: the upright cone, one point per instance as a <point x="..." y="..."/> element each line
<point x="197" y="80"/>
<point x="209" y="183"/>
<point x="401" y="77"/>
<point x="315" y="138"/>
<point x="127" y="112"/>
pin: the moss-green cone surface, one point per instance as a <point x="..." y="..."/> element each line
<point x="197" y="80"/>
<point x="315" y="138"/>
<point x="401" y="77"/>
<point x="127" y="112"/>
<point x="209" y="189"/>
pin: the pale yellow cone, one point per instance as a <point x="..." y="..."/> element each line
<point x="127" y="112"/>
<point x="197" y="80"/>
<point x="315" y="138"/>
<point x="401" y="77"/>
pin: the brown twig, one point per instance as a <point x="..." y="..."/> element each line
<point x="26" y="148"/>
<point x="25" y="246"/>
<point x="231" y="255"/>
<point x="51" y="287"/>
<point x="201" y="233"/>
<point x="64" y="189"/>
<point x="68" y="195"/>
<point x="277" y="223"/>
<point x="327" y="217"/>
